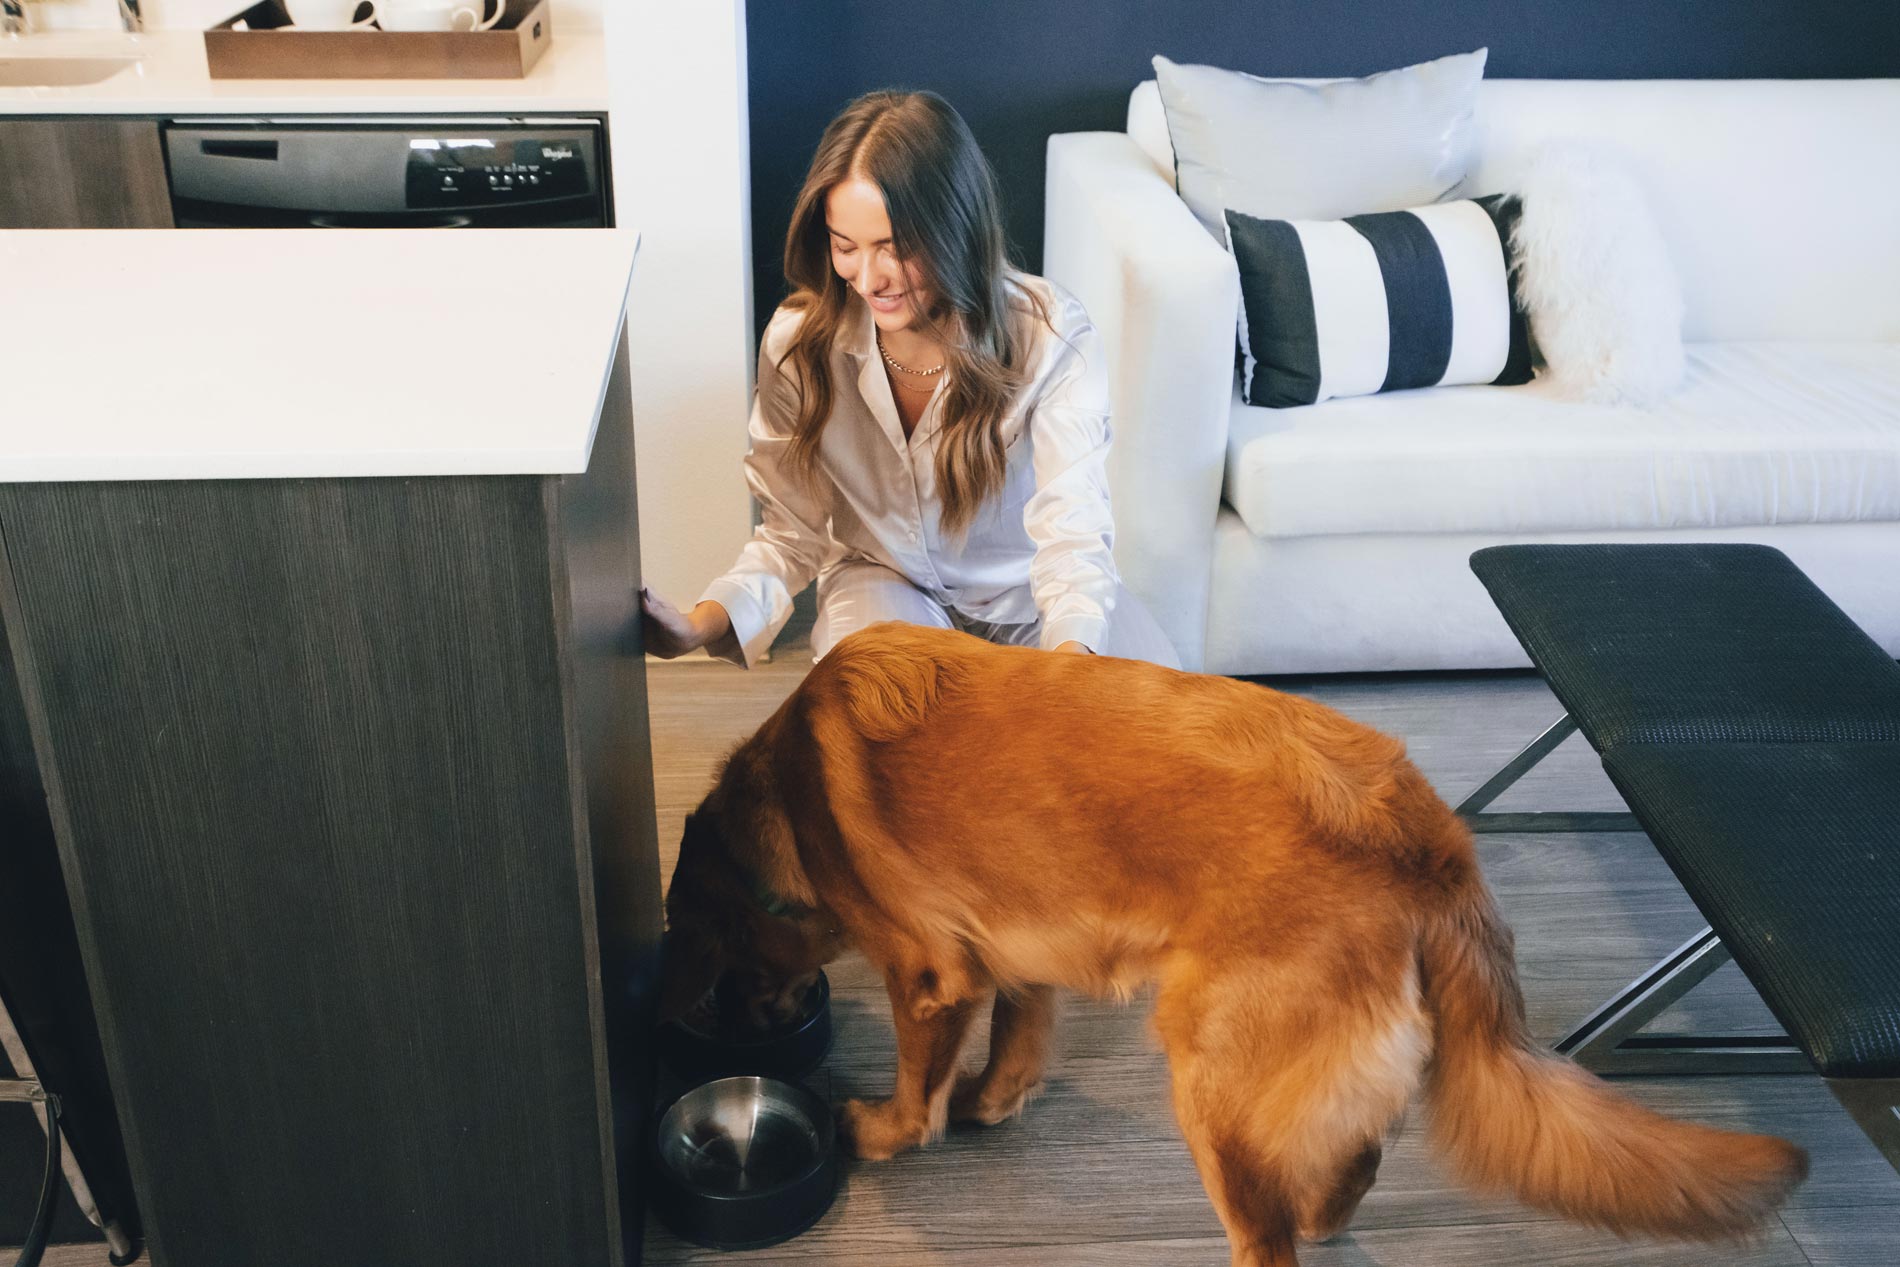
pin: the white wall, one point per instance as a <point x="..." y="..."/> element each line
<point x="677" y="95"/>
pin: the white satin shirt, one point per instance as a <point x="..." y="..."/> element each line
<point x="1039" y="551"/>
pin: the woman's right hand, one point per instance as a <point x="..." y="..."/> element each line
<point x="670" y="632"/>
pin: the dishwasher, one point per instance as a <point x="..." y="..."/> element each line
<point x="399" y="173"/>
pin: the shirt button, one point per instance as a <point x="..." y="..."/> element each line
<point x="913" y="536"/>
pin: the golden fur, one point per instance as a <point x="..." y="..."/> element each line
<point x="977" y="818"/>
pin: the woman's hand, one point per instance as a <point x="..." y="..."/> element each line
<point x="1072" y="647"/>
<point x="670" y="632"/>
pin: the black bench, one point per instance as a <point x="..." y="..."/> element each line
<point x="1754" y="730"/>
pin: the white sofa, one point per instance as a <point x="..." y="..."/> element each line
<point x="1334" y="537"/>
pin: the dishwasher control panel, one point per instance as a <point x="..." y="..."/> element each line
<point x="387" y="172"/>
<point x="489" y="170"/>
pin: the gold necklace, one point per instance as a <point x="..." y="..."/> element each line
<point x="904" y="369"/>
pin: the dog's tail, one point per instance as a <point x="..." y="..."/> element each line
<point x="1513" y="1118"/>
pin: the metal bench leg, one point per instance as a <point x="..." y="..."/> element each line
<point x="1608" y="1041"/>
<point x="1516" y="768"/>
<point x="1875" y="1106"/>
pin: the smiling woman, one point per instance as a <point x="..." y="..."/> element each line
<point x="937" y="287"/>
<point x="930" y="429"/>
<point x="896" y="291"/>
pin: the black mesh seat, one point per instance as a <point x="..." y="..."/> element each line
<point x="1792" y="852"/>
<point x="1754" y="731"/>
<point x="1692" y="644"/>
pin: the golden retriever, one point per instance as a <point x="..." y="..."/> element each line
<point x="976" y="818"/>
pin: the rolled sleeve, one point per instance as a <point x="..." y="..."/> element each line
<point x="1090" y="631"/>
<point x="753" y="624"/>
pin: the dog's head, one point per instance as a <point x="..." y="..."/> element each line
<point x="725" y="931"/>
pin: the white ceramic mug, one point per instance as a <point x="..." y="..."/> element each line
<point x="439" y="15"/>
<point x="329" y="15"/>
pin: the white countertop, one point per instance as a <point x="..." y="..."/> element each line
<point x="170" y="78"/>
<point x="252" y="354"/>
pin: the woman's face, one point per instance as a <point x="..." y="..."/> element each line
<point x="862" y="252"/>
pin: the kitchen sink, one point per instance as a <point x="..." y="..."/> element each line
<point x="59" y="72"/>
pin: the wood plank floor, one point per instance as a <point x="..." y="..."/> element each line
<point x="1095" y="1175"/>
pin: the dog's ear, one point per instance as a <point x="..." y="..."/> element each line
<point x="699" y="835"/>
<point x="690" y="963"/>
<point x="692" y="954"/>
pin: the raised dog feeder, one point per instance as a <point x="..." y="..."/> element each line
<point x="743" y="1163"/>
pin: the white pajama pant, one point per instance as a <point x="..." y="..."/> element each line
<point x="857" y="593"/>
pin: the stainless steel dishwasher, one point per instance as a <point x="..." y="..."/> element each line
<point x="450" y="172"/>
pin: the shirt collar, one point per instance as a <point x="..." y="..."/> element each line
<point x="857" y="337"/>
<point x="858" y="334"/>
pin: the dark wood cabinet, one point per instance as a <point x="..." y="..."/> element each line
<point x="354" y="803"/>
<point x="67" y="173"/>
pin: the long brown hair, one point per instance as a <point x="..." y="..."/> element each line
<point x="946" y="219"/>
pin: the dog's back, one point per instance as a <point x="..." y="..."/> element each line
<point x="1100" y="780"/>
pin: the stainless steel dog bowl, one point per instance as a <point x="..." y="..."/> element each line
<point x="790" y="1051"/>
<point x="742" y="1163"/>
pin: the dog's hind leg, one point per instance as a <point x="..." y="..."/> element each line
<point x="1323" y="1218"/>
<point x="1252" y="1192"/>
<point x="1283" y="1091"/>
<point x="932" y="1020"/>
<point x="1021" y="1027"/>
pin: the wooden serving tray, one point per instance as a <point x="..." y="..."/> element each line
<point x="273" y="49"/>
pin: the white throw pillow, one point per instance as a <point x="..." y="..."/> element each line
<point x="1594" y="276"/>
<point x="1285" y="150"/>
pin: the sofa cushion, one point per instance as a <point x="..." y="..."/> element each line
<point x="1285" y="150"/>
<point x="1760" y="433"/>
<point x="1377" y="303"/>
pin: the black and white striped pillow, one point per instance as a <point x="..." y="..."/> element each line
<point x="1378" y="303"/>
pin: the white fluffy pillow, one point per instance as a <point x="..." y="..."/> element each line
<point x="1594" y="276"/>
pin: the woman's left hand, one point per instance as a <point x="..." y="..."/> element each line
<point x="1074" y="648"/>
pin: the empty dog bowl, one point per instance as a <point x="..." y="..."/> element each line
<point x="788" y="1051"/>
<point x="742" y="1163"/>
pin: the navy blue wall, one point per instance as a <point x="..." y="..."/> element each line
<point x="1019" y="70"/>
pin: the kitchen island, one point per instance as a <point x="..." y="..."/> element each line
<point x="319" y="574"/>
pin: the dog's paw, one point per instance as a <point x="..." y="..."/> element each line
<point x="975" y="1101"/>
<point x="873" y="1131"/>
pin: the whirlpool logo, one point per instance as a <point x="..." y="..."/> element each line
<point x="553" y="152"/>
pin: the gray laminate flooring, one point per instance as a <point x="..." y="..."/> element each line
<point x="1094" y="1175"/>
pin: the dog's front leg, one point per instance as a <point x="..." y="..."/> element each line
<point x="1021" y="1028"/>
<point x="931" y="1023"/>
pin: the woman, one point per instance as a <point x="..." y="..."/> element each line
<point x="930" y="426"/>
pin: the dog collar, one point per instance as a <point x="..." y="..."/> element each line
<point x="774" y="905"/>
